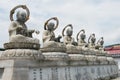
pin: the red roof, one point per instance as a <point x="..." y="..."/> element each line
<point x="113" y="49"/>
<point x="114" y="52"/>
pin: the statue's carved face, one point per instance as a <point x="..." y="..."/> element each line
<point x="50" y="26"/>
<point x="93" y="39"/>
<point x="69" y="32"/>
<point x="83" y="36"/>
<point x="21" y="16"/>
<point x="102" y="41"/>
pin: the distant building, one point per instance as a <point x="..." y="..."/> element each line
<point x="114" y="50"/>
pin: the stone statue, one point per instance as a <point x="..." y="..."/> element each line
<point x="99" y="44"/>
<point x="91" y="41"/>
<point x="21" y="43"/>
<point x="81" y="38"/>
<point x="68" y="39"/>
<point x="48" y="34"/>
<point x="20" y="37"/>
<point x="18" y="31"/>
<point x="49" y="39"/>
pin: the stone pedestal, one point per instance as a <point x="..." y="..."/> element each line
<point x="54" y="66"/>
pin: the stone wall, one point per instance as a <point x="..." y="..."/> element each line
<point x="57" y="66"/>
<point x="73" y="72"/>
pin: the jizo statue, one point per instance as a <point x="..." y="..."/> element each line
<point x="92" y="40"/>
<point x="18" y="31"/>
<point x="100" y="43"/>
<point x="68" y="39"/>
<point x="49" y="38"/>
<point x="81" y="36"/>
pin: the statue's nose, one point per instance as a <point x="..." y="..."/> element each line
<point x="23" y="16"/>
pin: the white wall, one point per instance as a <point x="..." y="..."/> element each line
<point x="118" y="60"/>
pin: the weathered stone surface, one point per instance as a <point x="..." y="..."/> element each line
<point x="70" y="49"/>
<point x="49" y="40"/>
<point x="54" y="66"/>
<point x="21" y="45"/>
<point x="21" y="54"/>
<point x="55" y="56"/>
<point x="61" y="48"/>
<point x="91" y="41"/>
<point x="18" y="31"/>
<point x="72" y="73"/>
<point x="28" y="70"/>
<point x="68" y="39"/>
<point x="79" y="57"/>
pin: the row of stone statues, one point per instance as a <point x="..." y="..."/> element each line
<point x="19" y="33"/>
<point x="49" y="38"/>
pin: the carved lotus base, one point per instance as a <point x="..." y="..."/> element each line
<point x="87" y="51"/>
<point x="92" y="46"/>
<point x="53" y="49"/>
<point x="53" y="46"/>
<point x="80" y="57"/>
<point x="102" y="59"/>
<point x="21" y="45"/>
<point x="91" y="58"/>
<point x="82" y="44"/>
<point x="22" y="53"/>
<point x="101" y="53"/>
<point x="55" y="56"/>
<point x="70" y="49"/>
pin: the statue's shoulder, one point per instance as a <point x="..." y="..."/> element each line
<point x="13" y="23"/>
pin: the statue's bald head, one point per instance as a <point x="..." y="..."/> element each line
<point x="21" y="15"/>
<point x="69" y="32"/>
<point x="93" y="34"/>
<point x="83" y="36"/>
<point x="50" y="26"/>
<point x="102" y="38"/>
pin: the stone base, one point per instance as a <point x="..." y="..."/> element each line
<point x="21" y="53"/>
<point x="111" y="60"/>
<point x="55" y="56"/>
<point x="102" y="59"/>
<point x="23" y="69"/>
<point x="54" y="49"/>
<point x="79" y="57"/>
<point x="91" y="58"/>
<point x="21" y="45"/>
<point x="70" y="49"/>
<point x="54" y="66"/>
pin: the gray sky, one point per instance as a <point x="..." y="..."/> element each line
<point x="101" y="17"/>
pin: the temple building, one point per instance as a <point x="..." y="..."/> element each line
<point x="114" y="50"/>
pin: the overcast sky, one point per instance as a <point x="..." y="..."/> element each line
<point x="101" y="17"/>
